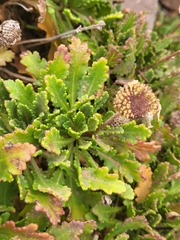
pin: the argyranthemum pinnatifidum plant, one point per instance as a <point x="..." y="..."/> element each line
<point x="137" y="101"/>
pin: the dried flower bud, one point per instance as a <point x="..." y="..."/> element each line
<point x="175" y="119"/>
<point x="136" y="101"/>
<point x="10" y="33"/>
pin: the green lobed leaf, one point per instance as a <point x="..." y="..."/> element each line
<point x="113" y="55"/>
<point x="102" y="144"/>
<point x="80" y="56"/>
<point x="57" y="90"/>
<point x="89" y="227"/>
<point x="155" y="220"/>
<point x="60" y="64"/>
<point x="76" y="135"/>
<point x="120" y="162"/>
<point x="105" y="212"/>
<point x="76" y="204"/>
<point x="69" y="15"/>
<point x="22" y="185"/>
<point x="40" y="105"/>
<point x="18" y="91"/>
<point x="61" y="119"/>
<point x="99" y="101"/>
<point x="93" y="81"/>
<point x="163" y="43"/>
<point x="79" y="122"/>
<point x="83" y="144"/>
<point x="127" y="66"/>
<point x="24" y="114"/>
<point x="160" y="174"/>
<point x="172" y="158"/>
<point x="82" y="102"/>
<point x="133" y="133"/>
<point x="93" y="122"/>
<point x="53" y="142"/>
<point x="79" y="126"/>
<point x="4" y="95"/>
<point x="33" y="63"/>
<point x="154" y="200"/>
<point x="5" y="56"/>
<point x="8" y="191"/>
<point x="130" y="224"/>
<point x="11" y="108"/>
<point x="88" y="158"/>
<point x="38" y="218"/>
<point x="130" y="211"/>
<point x="87" y="109"/>
<point x="4" y="217"/>
<point x="129" y="193"/>
<point x="51" y="186"/>
<point x="171" y="196"/>
<point x="61" y="160"/>
<point x="100" y="179"/>
<point x="22" y="136"/>
<point x="13" y="117"/>
<point x="112" y="131"/>
<point x="4" y="124"/>
<point x="130" y="170"/>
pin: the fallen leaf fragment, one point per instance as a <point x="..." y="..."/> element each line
<point x="143" y="188"/>
<point x="5" y="56"/>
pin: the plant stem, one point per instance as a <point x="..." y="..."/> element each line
<point x="68" y="34"/>
<point x="28" y="177"/>
<point x="162" y="60"/>
<point x="21" y="5"/>
<point x="16" y="75"/>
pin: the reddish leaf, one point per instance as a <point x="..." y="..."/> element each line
<point x="57" y="209"/>
<point x="142" y="149"/>
<point x="10" y="231"/>
<point x="114" y="56"/>
<point x="13" y="158"/>
<point x="62" y="50"/>
<point x="46" y="203"/>
<point x="68" y="230"/>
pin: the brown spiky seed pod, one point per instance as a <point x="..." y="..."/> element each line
<point x="10" y="33"/>
<point x="136" y="101"/>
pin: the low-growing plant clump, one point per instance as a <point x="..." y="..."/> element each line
<point x="90" y="146"/>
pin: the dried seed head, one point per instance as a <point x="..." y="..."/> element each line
<point x="10" y="33"/>
<point x="136" y="100"/>
<point x="119" y="121"/>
